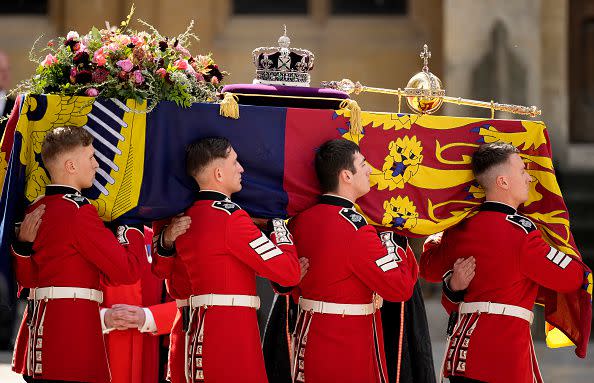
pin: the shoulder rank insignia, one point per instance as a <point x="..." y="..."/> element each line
<point x="524" y="222"/>
<point x="77" y="199"/>
<point x="227" y="206"/>
<point x="355" y="219"/>
<point x="121" y="233"/>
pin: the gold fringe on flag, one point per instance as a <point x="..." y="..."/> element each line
<point x="355" y="111"/>
<point x="229" y="107"/>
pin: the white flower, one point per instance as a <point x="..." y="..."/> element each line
<point x="72" y="35"/>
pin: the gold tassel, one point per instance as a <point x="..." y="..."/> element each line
<point x="229" y="107"/>
<point x="355" y="111"/>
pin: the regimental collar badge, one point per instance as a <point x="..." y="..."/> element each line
<point x="283" y="65"/>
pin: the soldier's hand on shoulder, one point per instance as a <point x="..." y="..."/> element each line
<point x="178" y="226"/>
<point x="463" y="273"/>
<point x="435" y="238"/>
<point x="27" y="232"/>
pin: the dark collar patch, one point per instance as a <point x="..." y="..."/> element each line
<point x="77" y="199"/>
<point x="60" y="189"/>
<point x="211" y="195"/>
<point x="497" y="206"/>
<point x="524" y="222"/>
<point x="335" y="200"/>
<point x="354" y="218"/>
<point x="227" y="206"/>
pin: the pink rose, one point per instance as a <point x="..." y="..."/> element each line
<point x="181" y="64"/>
<point x="161" y="72"/>
<point x="138" y="78"/>
<point x="214" y="80"/>
<point x="124" y="40"/>
<point x="126" y="65"/>
<point x="92" y="92"/>
<point x="136" y="40"/>
<point x="112" y="47"/>
<point x="49" y="60"/>
<point x="99" y="57"/>
<point x="72" y="35"/>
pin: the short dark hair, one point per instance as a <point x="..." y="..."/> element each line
<point x="63" y="139"/>
<point x="202" y="152"/>
<point x="490" y="155"/>
<point x="333" y="157"/>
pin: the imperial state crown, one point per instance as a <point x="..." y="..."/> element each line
<point x="283" y="65"/>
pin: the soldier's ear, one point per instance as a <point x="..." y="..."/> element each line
<point x="502" y="182"/>
<point x="346" y="176"/>
<point x="218" y="174"/>
<point x="69" y="166"/>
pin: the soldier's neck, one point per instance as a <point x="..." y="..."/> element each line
<point x="502" y="198"/>
<point x="215" y="188"/>
<point x="346" y="194"/>
<point x="65" y="181"/>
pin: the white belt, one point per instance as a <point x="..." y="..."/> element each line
<point x="182" y="302"/>
<point x="59" y="292"/>
<point x="224" y="300"/>
<point x="497" y="308"/>
<point x="336" y="308"/>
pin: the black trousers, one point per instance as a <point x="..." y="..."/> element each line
<point x="462" y="379"/>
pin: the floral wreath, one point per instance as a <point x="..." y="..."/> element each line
<point x="125" y="64"/>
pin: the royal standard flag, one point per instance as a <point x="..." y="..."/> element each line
<point x="421" y="180"/>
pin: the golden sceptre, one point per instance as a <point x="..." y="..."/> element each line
<point x="424" y="93"/>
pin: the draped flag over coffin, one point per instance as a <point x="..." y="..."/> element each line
<point x="421" y="180"/>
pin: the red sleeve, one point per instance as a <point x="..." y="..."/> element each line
<point x="548" y="266"/>
<point x="24" y="267"/>
<point x="162" y="264"/>
<point x="382" y="265"/>
<point x="119" y="263"/>
<point x="275" y="258"/>
<point x="435" y="260"/>
<point x="164" y="314"/>
<point x="448" y="305"/>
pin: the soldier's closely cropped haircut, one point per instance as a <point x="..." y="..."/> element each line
<point x="63" y="139"/>
<point x="201" y="153"/>
<point x="333" y="157"/>
<point x="490" y="155"/>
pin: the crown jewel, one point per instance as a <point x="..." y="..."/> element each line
<point x="283" y="65"/>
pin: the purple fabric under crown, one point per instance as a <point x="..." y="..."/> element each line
<point x="299" y="97"/>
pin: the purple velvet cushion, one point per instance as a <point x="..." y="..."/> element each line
<point x="281" y="90"/>
<point x="301" y="97"/>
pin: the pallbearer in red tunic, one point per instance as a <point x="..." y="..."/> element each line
<point x="223" y="251"/>
<point x="491" y="340"/>
<point x="135" y="317"/>
<point x="170" y="267"/>
<point x="60" y="337"/>
<point x="338" y="337"/>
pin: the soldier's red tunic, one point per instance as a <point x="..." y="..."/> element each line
<point x="170" y="267"/>
<point x="223" y="251"/>
<point x="512" y="260"/>
<point x="73" y="248"/>
<point x="134" y="356"/>
<point x="348" y="263"/>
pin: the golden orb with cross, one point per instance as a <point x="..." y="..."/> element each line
<point x="424" y="90"/>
